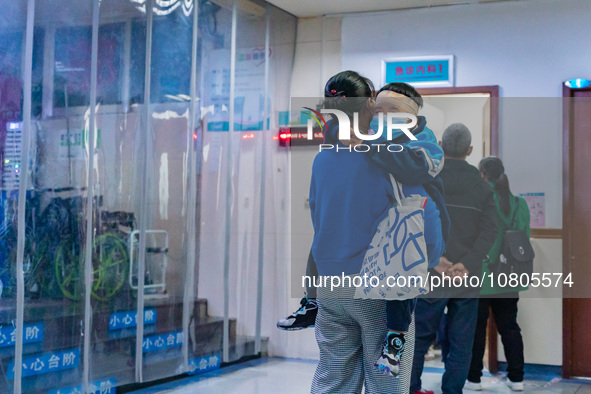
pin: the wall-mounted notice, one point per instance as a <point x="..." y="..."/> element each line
<point x="419" y="71"/>
<point x="537" y="209"/>
<point x="249" y="92"/>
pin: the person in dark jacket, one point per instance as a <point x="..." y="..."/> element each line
<point x="470" y="203"/>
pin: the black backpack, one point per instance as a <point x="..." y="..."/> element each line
<point x="517" y="254"/>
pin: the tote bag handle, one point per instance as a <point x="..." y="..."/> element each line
<point x="397" y="189"/>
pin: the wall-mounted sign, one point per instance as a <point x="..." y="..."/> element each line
<point x="420" y="71"/>
<point x="249" y="90"/>
<point x="536" y="203"/>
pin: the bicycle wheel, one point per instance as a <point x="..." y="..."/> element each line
<point x="68" y="270"/>
<point x="111" y="265"/>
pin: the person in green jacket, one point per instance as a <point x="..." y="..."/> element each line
<point x="503" y="301"/>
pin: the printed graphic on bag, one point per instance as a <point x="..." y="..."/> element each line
<point x="397" y="255"/>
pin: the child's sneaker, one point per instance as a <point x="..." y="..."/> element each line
<point x="304" y="317"/>
<point x="389" y="361"/>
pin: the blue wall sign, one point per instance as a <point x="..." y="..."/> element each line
<point x="108" y="386"/>
<point x="163" y="341"/>
<point x="205" y="364"/>
<point x="48" y="362"/>
<point x="121" y="320"/>
<point x="424" y="71"/>
<point x="31" y="333"/>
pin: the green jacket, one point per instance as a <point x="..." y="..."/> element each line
<point x="503" y="224"/>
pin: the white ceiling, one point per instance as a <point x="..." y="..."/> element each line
<point x="308" y="8"/>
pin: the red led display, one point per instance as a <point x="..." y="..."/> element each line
<point x="298" y="136"/>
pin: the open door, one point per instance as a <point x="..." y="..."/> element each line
<point x="478" y="108"/>
<point x="475" y="106"/>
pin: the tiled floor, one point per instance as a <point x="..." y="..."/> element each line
<point x="288" y="376"/>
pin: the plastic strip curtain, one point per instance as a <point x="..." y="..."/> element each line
<point x="26" y="133"/>
<point x="265" y="134"/>
<point x="144" y="198"/>
<point x="189" y="294"/>
<point x="88" y="268"/>
<point x="248" y="236"/>
<point x="116" y="120"/>
<point x="229" y="175"/>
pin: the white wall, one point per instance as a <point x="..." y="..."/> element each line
<point x="310" y="72"/>
<point x="247" y="160"/>
<point x="540" y="317"/>
<point x="528" y="48"/>
<point x="318" y="55"/>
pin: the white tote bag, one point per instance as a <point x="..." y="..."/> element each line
<point x="395" y="266"/>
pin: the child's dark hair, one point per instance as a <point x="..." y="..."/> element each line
<point x="493" y="169"/>
<point x="404" y="89"/>
<point x="347" y="84"/>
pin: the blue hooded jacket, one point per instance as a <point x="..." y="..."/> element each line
<point x="418" y="164"/>
<point x="345" y="218"/>
<point x="349" y="196"/>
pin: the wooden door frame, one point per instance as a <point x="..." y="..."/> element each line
<point x="493" y="91"/>
<point x="567" y="215"/>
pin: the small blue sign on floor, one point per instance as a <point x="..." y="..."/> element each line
<point x="163" y="341"/>
<point x="31" y="333"/>
<point x="205" y="364"/>
<point x="107" y="386"/>
<point x="48" y="362"/>
<point x="121" y="320"/>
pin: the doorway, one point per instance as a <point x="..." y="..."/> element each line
<point x="576" y="224"/>
<point x="475" y="106"/>
<point x="478" y="108"/>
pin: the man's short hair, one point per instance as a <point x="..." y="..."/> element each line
<point x="405" y="90"/>
<point x="456" y="140"/>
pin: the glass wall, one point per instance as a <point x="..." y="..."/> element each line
<point x="139" y="178"/>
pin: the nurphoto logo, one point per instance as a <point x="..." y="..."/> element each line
<point x="394" y="121"/>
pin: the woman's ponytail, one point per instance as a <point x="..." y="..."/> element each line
<point x="502" y="187"/>
<point x="494" y="171"/>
